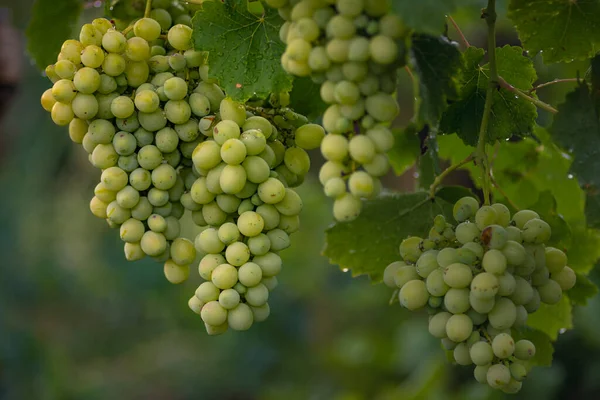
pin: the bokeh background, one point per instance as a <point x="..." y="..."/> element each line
<point x="79" y="322"/>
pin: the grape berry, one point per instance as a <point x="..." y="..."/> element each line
<point x="479" y="280"/>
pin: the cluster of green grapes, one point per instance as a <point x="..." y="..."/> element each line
<point x="353" y="48"/>
<point x="245" y="205"/>
<point x="169" y="141"/>
<point x="479" y="281"/>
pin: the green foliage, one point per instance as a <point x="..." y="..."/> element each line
<point x="551" y="319"/>
<point x="429" y="16"/>
<point x="563" y="30"/>
<point x="306" y="100"/>
<point x="52" y="22"/>
<point x="511" y="115"/>
<point x="368" y="244"/>
<point x="244" y="49"/>
<point x="436" y="63"/>
<point x="406" y="150"/>
<point x="583" y="290"/>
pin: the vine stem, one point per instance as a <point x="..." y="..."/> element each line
<point x="463" y="38"/>
<point x="489" y="14"/>
<point x="518" y="92"/>
<point x="148" y="9"/>
<point x="542" y="85"/>
<point x="438" y="179"/>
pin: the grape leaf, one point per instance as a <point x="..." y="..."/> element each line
<point x="436" y="63"/>
<point x="52" y="22"/>
<point x="368" y="244"/>
<point x="551" y="319"/>
<point x="543" y="346"/>
<point x="245" y="50"/>
<point x="406" y="150"/>
<point x="563" y="30"/>
<point x="429" y="16"/>
<point x="583" y="290"/>
<point x="305" y="98"/>
<point x="454" y="193"/>
<point x="510" y="115"/>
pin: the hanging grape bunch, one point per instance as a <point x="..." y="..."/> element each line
<point x="479" y="281"/>
<point x="168" y="140"/>
<point x="353" y="49"/>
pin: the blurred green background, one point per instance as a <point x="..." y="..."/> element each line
<point x="79" y="322"/>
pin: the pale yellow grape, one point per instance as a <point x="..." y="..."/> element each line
<point x="213" y="313"/>
<point x="224" y="276"/>
<point x="176" y="273"/>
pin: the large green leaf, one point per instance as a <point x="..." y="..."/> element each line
<point x="583" y="290"/>
<point x="427" y="16"/>
<point x="245" y="50"/>
<point x="52" y="22"/>
<point x="510" y="115"/>
<point x="436" y="63"/>
<point x="552" y="319"/>
<point x="305" y="98"/>
<point x="563" y="30"/>
<point x="406" y="150"/>
<point x="368" y="244"/>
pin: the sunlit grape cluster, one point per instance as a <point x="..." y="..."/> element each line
<point x="353" y="48"/>
<point x="170" y="145"/>
<point x="480" y="280"/>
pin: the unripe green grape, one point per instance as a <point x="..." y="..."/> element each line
<point x="566" y="278"/>
<point x="481" y="353"/>
<point x="269" y="263"/>
<point x="257" y="169"/>
<point x="346" y="207"/>
<point x="117" y="214"/>
<point x="405" y="274"/>
<point x="164" y="177"/>
<point x="209" y="241"/>
<point x="494" y="262"/>
<point x="142" y="210"/>
<point x="147" y="28"/>
<point x="213" y="313"/>
<point x="132" y="230"/>
<point x="536" y="231"/>
<point x="271" y="191"/>
<point x="240" y="318"/>
<point x="213" y="215"/>
<point x="89" y="35"/>
<point x="71" y="50"/>
<point x="485" y="286"/>
<point x="498" y="375"/>
<point x="448" y="344"/>
<point x="456" y="301"/>
<point x="158" y="224"/>
<point x="149" y="157"/>
<point x="228" y="203"/>
<point x="458" y="275"/>
<point x="108" y="84"/>
<point x="85" y="106"/>
<point x="225" y="130"/>
<point x="257" y="295"/>
<point x="435" y="283"/>
<point x="229" y="298"/>
<point x="523" y="292"/>
<point x="133" y="252"/>
<point x="413" y="295"/>
<point x="104" y="194"/>
<point x="506" y="284"/>
<point x="361" y="149"/>
<point x="522" y="217"/>
<point x="224" y="276"/>
<point x="383" y="107"/>
<point x="98" y="207"/>
<point x="459" y="327"/>
<point x="550" y="293"/>
<point x="389" y="273"/>
<point x="114" y="178"/>
<point x="556" y="260"/>
<point x="410" y="250"/>
<point x="335" y="147"/>
<point x="178" y="111"/>
<point x="465" y="209"/>
<point x="137" y="73"/>
<point x="503" y="314"/>
<point x="480" y="373"/>
<point x="128" y="197"/>
<point x="503" y="345"/>
<point x="447" y="256"/>
<point x="182" y="251"/>
<point x="383" y="49"/>
<point x="291" y="204"/>
<point x="461" y="354"/>
<point x="437" y="324"/>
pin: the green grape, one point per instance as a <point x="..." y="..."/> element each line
<point x="240" y="318"/>
<point x="413" y="295"/>
<point x="213" y="313"/>
<point x="458" y="275"/>
<point x="346" y="207"/>
<point x="228" y="203"/>
<point x="518" y="371"/>
<point x="404" y="275"/>
<point x="122" y="107"/>
<point x="480" y="373"/>
<point x="498" y="375"/>
<point x="206" y="155"/>
<point x="142" y="210"/>
<point x="361" y="184"/>
<point x="257" y="295"/>
<point x="164" y="177"/>
<point x="485" y="217"/>
<point x="523" y="292"/>
<point x="232" y="179"/>
<point x="506" y="284"/>
<point x="461" y="354"/>
<point x="465" y="209"/>
<point x="237" y="254"/>
<point x="269" y="263"/>
<point x="335" y="147"/>
<point x="147" y="28"/>
<point x="566" y="278"/>
<point x="158" y="224"/>
<point x="132" y="230"/>
<point x="180" y="37"/>
<point x="209" y="241"/>
<point x="195" y="304"/>
<point x="550" y="293"/>
<point x="485" y="286"/>
<point x="361" y="149"/>
<point x="233" y="151"/>
<point x="85" y="106"/>
<point x="149" y="157"/>
<point x="98" y="207"/>
<point x="128" y="197"/>
<point x="481" y="306"/>
<point x="158" y="197"/>
<point x="89" y="35"/>
<point x="555" y="259"/>
<point x="250" y="223"/>
<point x="291" y="204"/>
<point x="188" y="132"/>
<point x="410" y="249"/>
<point x="224" y="276"/>
<point x="494" y="262"/>
<point x="297" y="160"/>
<point x="182" y="251"/>
<point x="72" y="49"/>
<point x="456" y="301"/>
<point x="383" y="107"/>
<point x="447" y="256"/>
<point x="64" y="91"/>
<point x="524" y="350"/>
<point x="104" y="194"/>
<point x="140" y="179"/>
<point x="503" y="314"/>
<point x="153" y="243"/>
<point x="207" y="292"/>
<point x="213" y="215"/>
<point x="435" y="283"/>
<point x="437" y="324"/>
<point x="133" y="252"/>
<point x="522" y="217"/>
<point x="427" y="263"/>
<point x="459" y="327"/>
<point x="383" y="49"/>
<point x="108" y="84"/>
<point x="229" y="298"/>
<point x="228" y="233"/>
<point x="481" y="353"/>
<point x="503" y="345"/>
<point x="208" y="263"/>
<point x="114" y="179"/>
<point x="390" y="271"/>
<point x="536" y="231"/>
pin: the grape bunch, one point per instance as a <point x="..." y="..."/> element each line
<point x="353" y="48"/>
<point x="170" y="144"/>
<point x="245" y="205"/>
<point x="479" y="281"/>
